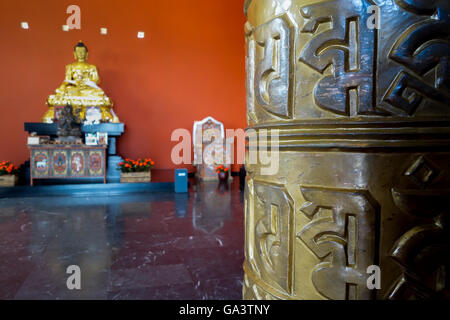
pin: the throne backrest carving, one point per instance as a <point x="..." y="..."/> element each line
<point x="206" y="132"/>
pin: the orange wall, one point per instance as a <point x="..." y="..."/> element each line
<point x="190" y="65"/>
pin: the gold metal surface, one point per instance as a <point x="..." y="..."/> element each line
<point x="80" y="89"/>
<point x="364" y="122"/>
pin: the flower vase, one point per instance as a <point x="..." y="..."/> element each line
<point x="8" y="180"/>
<point x="135" y="177"/>
<point x="223" y="176"/>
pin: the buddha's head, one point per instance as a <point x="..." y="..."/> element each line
<point x="80" y="52"/>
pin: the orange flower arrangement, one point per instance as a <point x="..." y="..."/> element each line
<point x="139" y="165"/>
<point x="6" y="167"/>
<point x="221" y="168"/>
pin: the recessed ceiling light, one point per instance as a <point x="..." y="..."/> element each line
<point x="24" y="25"/>
<point x="141" y="35"/>
<point x="103" y="31"/>
<point x="65" y="27"/>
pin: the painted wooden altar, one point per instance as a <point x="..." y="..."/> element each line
<point x="54" y="161"/>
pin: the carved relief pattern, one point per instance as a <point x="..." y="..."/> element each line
<point x="423" y="251"/>
<point x="423" y="49"/>
<point x="269" y="50"/>
<point x="270" y="230"/>
<point x="253" y="292"/>
<point x="350" y="47"/>
<point x="250" y="74"/>
<point x="342" y="234"/>
<point x="355" y="106"/>
<point x="349" y="53"/>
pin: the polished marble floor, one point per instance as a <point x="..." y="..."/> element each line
<point x="158" y="245"/>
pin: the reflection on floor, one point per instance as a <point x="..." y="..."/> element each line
<point x="147" y="246"/>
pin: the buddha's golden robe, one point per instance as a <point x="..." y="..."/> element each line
<point x="80" y="89"/>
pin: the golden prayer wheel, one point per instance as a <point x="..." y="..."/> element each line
<point x="360" y="97"/>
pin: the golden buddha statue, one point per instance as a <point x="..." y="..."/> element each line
<point x="80" y="89"/>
